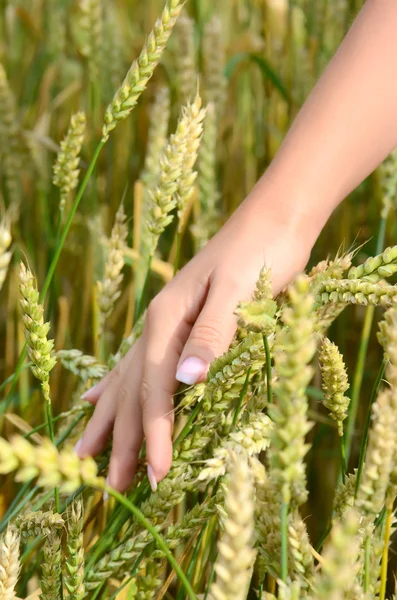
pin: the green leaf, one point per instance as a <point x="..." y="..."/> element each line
<point x="267" y="70"/>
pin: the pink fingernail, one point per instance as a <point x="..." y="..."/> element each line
<point x="191" y="370"/>
<point x="88" y="393"/>
<point x="78" y="446"/>
<point x="152" y="478"/>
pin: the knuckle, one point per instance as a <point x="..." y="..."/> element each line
<point x="115" y="373"/>
<point x="154" y="307"/>
<point x="123" y="394"/>
<point x="208" y="333"/>
<point x="145" y="393"/>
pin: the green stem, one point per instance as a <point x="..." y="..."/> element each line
<point x="268" y="369"/>
<point x="54" y="262"/>
<point x="242" y="396"/>
<point x="50" y="426"/>
<point x="362" y="353"/>
<point x="342" y="457"/>
<point x="284" y="541"/>
<point x="322" y="539"/>
<point x="367" y="565"/>
<point x="193" y="561"/>
<point x="358" y="378"/>
<point x="385" y="555"/>
<point x="364" y="442"/>
<point x="159" y="538"/>
<point x="117" y="520"/>
<point x="141" y="298"/>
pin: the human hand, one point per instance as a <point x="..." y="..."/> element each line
<point x="188" y="324"/>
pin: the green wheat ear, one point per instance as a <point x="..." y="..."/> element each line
<point x="66" y="168"/>
<point x="142" y="68"/>
<point x="36" y="330"/>
<point x="236" y="553"/>
<point x="335" y="382"/>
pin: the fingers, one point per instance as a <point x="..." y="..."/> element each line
<point x="93" y="394"/>
<point x="100" y="426"/>
<point x="165" y="342"/>
<point x="127" y="431"/>
<point x="212" y="333"/>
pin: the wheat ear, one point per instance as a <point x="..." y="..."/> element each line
<point x="9" y="563"/>
<point x="66" y="168"/>
<point x="236" y="554"/>
<point x="142" y="68"/>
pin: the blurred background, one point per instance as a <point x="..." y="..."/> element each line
<point x="256" y="61"/>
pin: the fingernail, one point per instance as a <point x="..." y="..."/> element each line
<point x="152" y="478"/>
<point x="191" y="370"/>
<point x="106" y="494"/>
<point x="78" y="446"/>
<point x="88" y="393"/>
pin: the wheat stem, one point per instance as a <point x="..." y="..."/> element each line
<point x="268" y="369"/>
<point x="284" y="541"/>
<point x="159" y="539"/>
<point x="385" y="555"/>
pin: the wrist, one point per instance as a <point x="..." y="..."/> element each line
<point x="283" y="210"/>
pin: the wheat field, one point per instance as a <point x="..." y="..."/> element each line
<point x="129" y="132"/>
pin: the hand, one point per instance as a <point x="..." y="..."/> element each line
<point x="187" y="326"/>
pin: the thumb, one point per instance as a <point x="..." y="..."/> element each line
<point x="211" y="335"/>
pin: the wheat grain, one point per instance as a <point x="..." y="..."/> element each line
<point x="335" y="382"/>
<point x="209" y="217"/>
<point x="295" y="348"/>
<point x="66" y="168"/>
<point x="9" y="563"/>
<point x="74" y="555"/>
<point x="52" y="467"/>
<point x="157" y="135"/>
<point x="142" y="69"/>
<point x="51" y="568"/>
<point x="108" y="290"/>
<point x="250" y="440"/>
<point x="188" y="174"/>
<point x="337" y="575"/>
<point x="173" y="160"/>
<point x="214" y="80"/>
<point x="356" y="291"/>
<point x="83" y="365"/>
<point x="9" y="149"/>
<point x="379" y="457"/>
<point x="36" y="330"/>
<point x="91" y="24"/>
<point x="236" y="554"/>
<point x="186" y="63"/>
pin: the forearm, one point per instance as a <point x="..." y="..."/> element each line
<point x="347" y="126"/>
